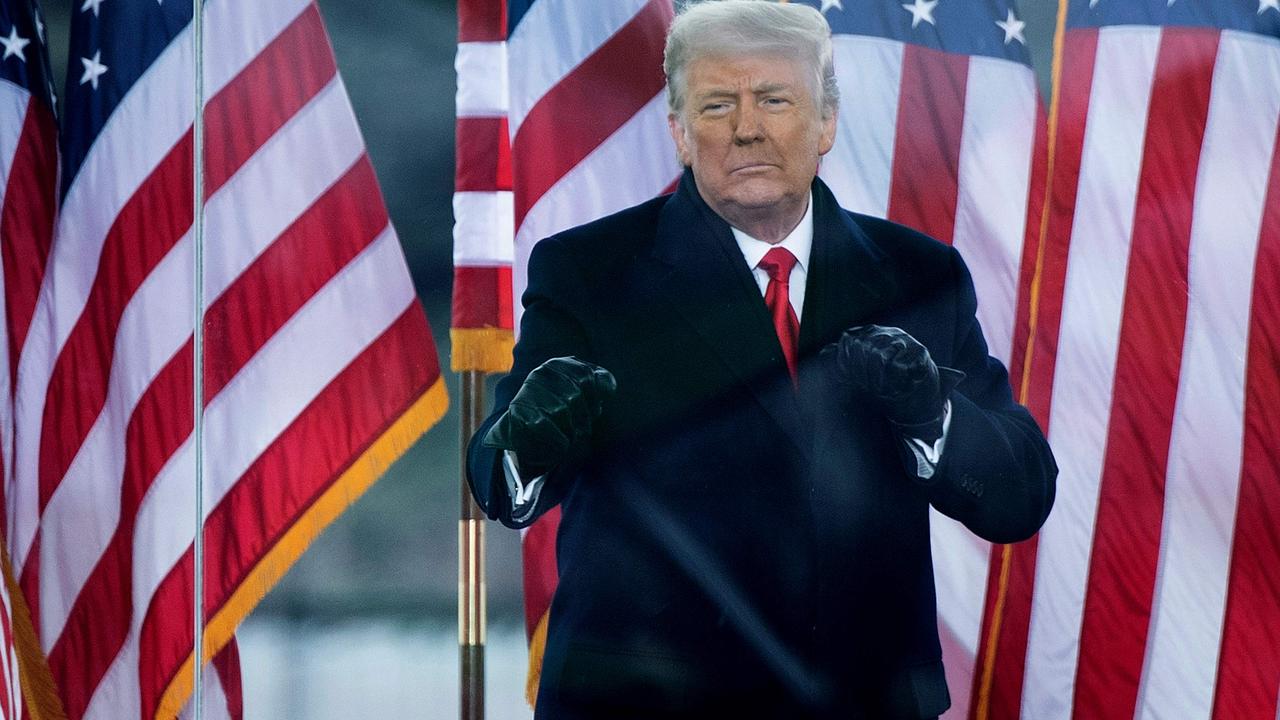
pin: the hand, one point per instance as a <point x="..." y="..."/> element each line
<point x="890" y="366"/>
<point x="553" y="413"/>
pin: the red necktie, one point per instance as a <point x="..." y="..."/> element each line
<point x="777" y="263"/>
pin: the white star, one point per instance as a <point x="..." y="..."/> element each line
<point x="1265" y="5"/>
<point x="1093" y="3"/>
<point x="13" y="45"/>
<point x="91" y="5"/>
<point x="828" y="4"/>
<point x="921" y="10"/>
<point x="92" y="69"/>
<point x="1012" y="28"/>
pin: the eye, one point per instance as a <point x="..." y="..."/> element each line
<point x="775" y="102"/>
<point x="718" y="107"/>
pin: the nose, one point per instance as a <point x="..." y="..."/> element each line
<point x="748" y="127"/>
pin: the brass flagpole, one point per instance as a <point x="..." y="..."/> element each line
<point x="471" y="572"/>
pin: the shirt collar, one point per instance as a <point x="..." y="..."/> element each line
<point x="799" y="242"/>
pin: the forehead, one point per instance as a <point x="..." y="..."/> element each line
<point x="712" y="73"/>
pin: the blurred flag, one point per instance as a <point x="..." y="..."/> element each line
<point x="481" y="333"/>
<point x="318" y="366"/>
<point x="1153" y="591"/>
<point x="577" y="91"/>
<point x="28" y="197"/>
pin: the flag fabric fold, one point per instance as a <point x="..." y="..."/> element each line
<point x="1153" y="367"/>
<point x="318" y="368"/>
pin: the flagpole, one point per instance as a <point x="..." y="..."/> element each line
<point x="471" y="571"/>
<point x="197" y="431"/>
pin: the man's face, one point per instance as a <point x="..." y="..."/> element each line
<point x="752" y="134"/>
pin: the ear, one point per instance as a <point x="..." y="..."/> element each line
<point x="828" y="137"/>
<point x="678" y="135"/>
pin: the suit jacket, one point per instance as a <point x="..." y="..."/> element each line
<point x="731" y="542"/>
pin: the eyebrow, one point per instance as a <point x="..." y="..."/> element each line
<point x="763" y="89"/>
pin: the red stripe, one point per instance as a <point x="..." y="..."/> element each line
<point x="482" y="20"/>
<point x="1080" y="47"/>
<point x="926" y="152"/>
<point x="482" y="297"/>
<point x="99" y="619"/>
<point x="1030" y="256"/>
<point x="227" y="665"/>
<point x="1249" y="666"/>
<point x="344" y="221"/>
<point x="1126" y="544"/>
<point x="149" y="225"/>
<point x="8" y="678"/>
<point x="269" y="91"/>
<point x="483" y="155"/>
<point x="592" y="102"/>
<point x="26" y="223"/>
<point x="143" y="233"/>
<point x="333" y="231"/>
<point x="538" y="549"/>
<point x="368" y="395"/>
<point x="168" y="634"/>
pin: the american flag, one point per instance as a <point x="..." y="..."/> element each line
<point x="941" y="128"/>
<point x="1153" y="589"/>
<point x="28" y="197"/>
<point x="318" y="368"/>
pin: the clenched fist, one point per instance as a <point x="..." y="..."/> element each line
<point x="553" y="413"/>
<point x="893" y="368"/>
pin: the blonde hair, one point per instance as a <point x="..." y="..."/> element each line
<point x="751" y="27"/>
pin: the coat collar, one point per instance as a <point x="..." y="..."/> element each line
<point x="710" y="286"/>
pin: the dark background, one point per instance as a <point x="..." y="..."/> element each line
<point x="394" y="554"/>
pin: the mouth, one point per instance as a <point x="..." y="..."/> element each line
<point x="753" y="169"/>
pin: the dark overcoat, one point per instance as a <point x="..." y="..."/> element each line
<point x="732" y="542"/>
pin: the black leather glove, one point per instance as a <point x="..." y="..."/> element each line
<point x="553" y="413"/>
<point x="893" y="368"/>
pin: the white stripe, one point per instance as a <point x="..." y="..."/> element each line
<point x="482" y="79"/>
<point x="245" y="419"/>
<point x="278" y="184"/>
<point x="13" y="104"/>
<point x="595" y="187"/>
<point x="140" y="132"/>
<point x="483" y="228"/>
<point x="996" y="149"/>
<point x="243" y="218"/>
<point x="215" y="697"/>
<point x="859" y="167"/>
<point x="552" y="39"/>
<point x="1089" y="337"/>
<point x="960" y="562"/>
<point x="1208" y="428"/>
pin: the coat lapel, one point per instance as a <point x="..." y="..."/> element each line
<point x="710" y="287"/>
<point x="848" y="284"/>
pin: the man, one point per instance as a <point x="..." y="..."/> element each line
<point x="745" y="400"/>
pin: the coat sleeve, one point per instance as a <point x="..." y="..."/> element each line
<point x="549" y="327"/>
<point x="997" y="474"/>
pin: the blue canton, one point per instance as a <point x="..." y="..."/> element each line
<point x="968" y="27"/>
<point x="113" y="42"/>
<point x="24" y="56"/>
